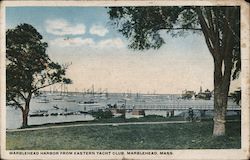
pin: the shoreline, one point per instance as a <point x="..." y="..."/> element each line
<point x="120" y="121"/>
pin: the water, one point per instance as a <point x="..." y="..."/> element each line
<point x="70" y="104"/>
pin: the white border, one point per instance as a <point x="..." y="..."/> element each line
<point x="121" y="2"/>
<point x="242" y="153"/>
<point x="2" y="80"/>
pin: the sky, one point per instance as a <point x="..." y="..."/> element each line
<point x="99" y="54"/>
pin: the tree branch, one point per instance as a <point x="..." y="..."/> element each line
<point x="210" y="19"/>
<point x="205" y="31"/>
<point x="22" y="95"/>
<point x="18" y="104"/>
<point x="183" y="28"/>
<point x="230" y="28"/>
<point x="207" y="26"/>
<point x="228" y="49"/>
<point x="161" y="27"/>
<point x="43" y="87"/>
<point x="217" y="32"/>
<point x="229" y="45"/>
<point x="225" y="33"/>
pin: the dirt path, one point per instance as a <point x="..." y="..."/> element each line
<point x="95" y="124"/>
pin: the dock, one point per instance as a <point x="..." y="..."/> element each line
<point x="179" y="106"/>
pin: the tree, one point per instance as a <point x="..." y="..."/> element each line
<point x="143" y="26"/>
<point x="236" y="96"/>
<point x="28" y="67"/>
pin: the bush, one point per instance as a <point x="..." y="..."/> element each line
<point x="100" y="114"/>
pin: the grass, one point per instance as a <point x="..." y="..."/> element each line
<point x="148" y="118"/>
<point x="196" y="135"/>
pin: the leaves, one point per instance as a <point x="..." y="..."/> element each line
<point x="143" y="27"/>
<point x="236" y="96"/>
<point x="29" y="67"/>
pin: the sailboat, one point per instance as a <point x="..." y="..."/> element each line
<point x="43" y="100"/>
<point x="59" y="97"/>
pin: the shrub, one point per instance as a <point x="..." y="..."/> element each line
<point x="100" y="114"/>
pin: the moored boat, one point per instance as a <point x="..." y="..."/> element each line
<point x="89" y="103"/>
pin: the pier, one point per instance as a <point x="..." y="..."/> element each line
<point x="179" y="106"/>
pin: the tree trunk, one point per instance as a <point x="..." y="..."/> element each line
<point x="220" y="107"/>
<point x="25" y="111"/>
<point x="25" y="118"/>
<point x="220" y="41"/>
<point x="221" y="89"/>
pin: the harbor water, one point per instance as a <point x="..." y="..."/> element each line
<point x="56" y="108"/>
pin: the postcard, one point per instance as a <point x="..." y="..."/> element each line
<point x="123" y="80"/>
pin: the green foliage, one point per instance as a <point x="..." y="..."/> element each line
<point x="237" y="63"/>
<point x="29" y="67"/>
<point x="100" y="114"/>
<point x="67" y="81"/>
<point x="144" y="27"/>
<point x="236" y="96"/>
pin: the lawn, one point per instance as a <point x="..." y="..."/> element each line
<point x="196" y="135"/>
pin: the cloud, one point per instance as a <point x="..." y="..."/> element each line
<point x="72" y="42"/>
<point x="62" y="27"/>
<point x="111" y="43"/>
<point x="87" y="42"/>
<point x="98" y="30"/>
